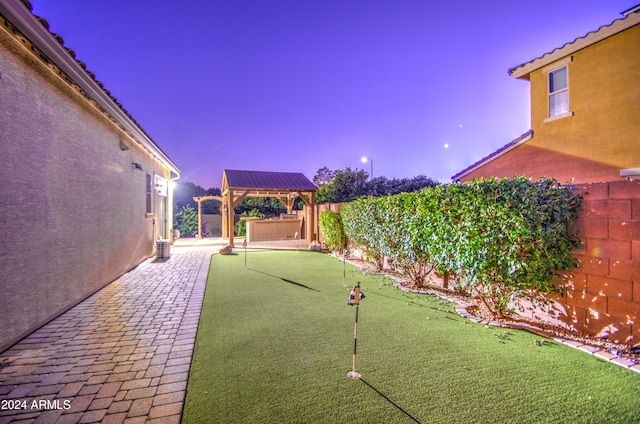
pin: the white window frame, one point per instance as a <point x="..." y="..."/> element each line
<point x="547" y="70"/>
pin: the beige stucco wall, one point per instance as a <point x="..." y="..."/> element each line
<point x="72" y="211"/>
<point x="277" y="229"/>
<point x="602" y="136"/>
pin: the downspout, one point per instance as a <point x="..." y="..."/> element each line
<point x="172" y="185"/>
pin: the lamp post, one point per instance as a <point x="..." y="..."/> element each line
<point x="366" y="159"/>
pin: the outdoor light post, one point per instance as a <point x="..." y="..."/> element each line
<point x="364" y="160"/>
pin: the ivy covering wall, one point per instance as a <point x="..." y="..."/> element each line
<point x="503" y="239"/>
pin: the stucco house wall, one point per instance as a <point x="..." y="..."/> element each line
<point x="72" y="205"/>
<point x="603" y="134"/>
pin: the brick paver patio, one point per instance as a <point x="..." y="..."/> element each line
<point x="121" y="356"/>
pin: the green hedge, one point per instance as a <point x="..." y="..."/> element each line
<point x="332" y="231"/>
<point x="502" y="238"/>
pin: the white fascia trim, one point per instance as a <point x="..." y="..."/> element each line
<point x="30" y="27"/>
<point x="579" y="44"/>
<point x="630" y="173"/>
<point x="556" y="65"/>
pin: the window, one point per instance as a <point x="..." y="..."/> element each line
<point x="149" y="194"/>
<point x="558" y="92"/>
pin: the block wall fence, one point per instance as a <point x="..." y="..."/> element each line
<point x="602" y="296"/>
<point x="603" y="293"/>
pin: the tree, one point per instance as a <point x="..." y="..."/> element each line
<point x="185" y="191"/>
<point x="186" y="221"/>
<point x="347" y="185"/>
<point x="267" y="206"/>
<point x="324" y="176"/>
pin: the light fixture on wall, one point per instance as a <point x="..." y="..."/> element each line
<point x="136" y="165"/>
<point x="123" y="146"/>
<point x="632" y="174"/>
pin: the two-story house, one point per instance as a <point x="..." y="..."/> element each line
<point x="85" y="192"/>
<point x="585" y="110"/>
<point x="585" y="129"/>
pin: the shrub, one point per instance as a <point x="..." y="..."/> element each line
<point x="242" y="224"/>
<point x="186" y="221"/>
<point x="362" y="227"/>
<point x="504" y="238"/>
<point x="511" y="235"/>
<point x="405" y="237"/>
<point x="332" y="231"/>
<point x="387" y="227"/>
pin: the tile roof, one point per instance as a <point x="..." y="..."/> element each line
<point x="263" y="180"/>
<point x="631" y="18"/>
<point x="72" y="53"/>
<point x="501" y="151"/>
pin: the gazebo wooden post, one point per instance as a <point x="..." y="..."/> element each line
<point x="230" y="223"/>
<point x="225" y="233"/>
<point x="311" y="220"/>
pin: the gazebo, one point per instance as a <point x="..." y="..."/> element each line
<point x="284" y="186"/>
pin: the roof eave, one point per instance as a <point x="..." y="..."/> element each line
<point x="28" y="24"/>
<point x="522" y="71"/>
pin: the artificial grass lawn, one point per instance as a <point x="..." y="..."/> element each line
<point x="275" y="342"/>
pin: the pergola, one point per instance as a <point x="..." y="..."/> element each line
<point x="284" y="186"/>
<point x="200" y="200"/>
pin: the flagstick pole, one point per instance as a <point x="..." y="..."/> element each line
<point x="344" y="268"/>
<point x="353" y="374"/>
<point x="244" y="243"/>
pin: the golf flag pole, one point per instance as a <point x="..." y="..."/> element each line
<point x="354" y="299"/>
<point x="344" y="267"/>
<point x="244" y="244"/>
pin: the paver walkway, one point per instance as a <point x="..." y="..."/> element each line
<point x="122" y="355"/>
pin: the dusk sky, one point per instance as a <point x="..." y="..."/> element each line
<point x="294" y="86"/>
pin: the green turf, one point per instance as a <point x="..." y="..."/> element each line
<point x="276" y="339"/>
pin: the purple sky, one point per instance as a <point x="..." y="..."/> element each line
<point x="297" y="85"/>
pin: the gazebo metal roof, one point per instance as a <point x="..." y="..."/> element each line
<point x="269" y="181"/>
<point x="284" y="186"/>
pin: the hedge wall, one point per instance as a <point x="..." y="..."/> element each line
<point x="502" y="238"/>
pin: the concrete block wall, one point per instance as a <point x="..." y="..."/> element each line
<point x="603" y="296"/>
